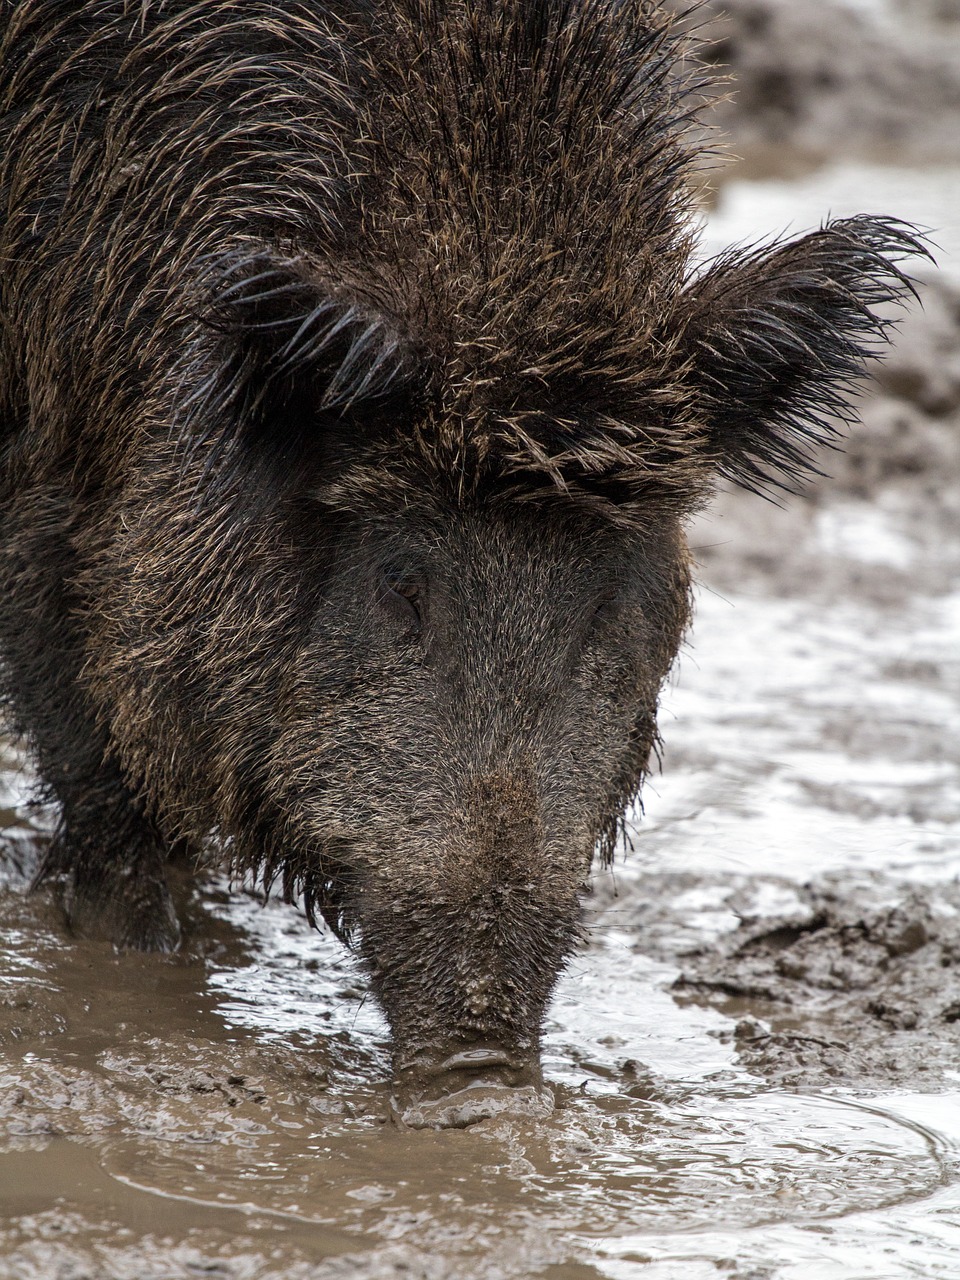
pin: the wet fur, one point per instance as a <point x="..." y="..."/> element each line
<point x="279" y="290"/>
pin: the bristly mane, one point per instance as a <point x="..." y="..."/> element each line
<point x="530" y="180"/>
<point x="479" y="208"/>
<point x="515" y="247"/>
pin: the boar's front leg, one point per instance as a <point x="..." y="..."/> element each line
<point x="106" y="853"/>
<point x="111" y="862"/>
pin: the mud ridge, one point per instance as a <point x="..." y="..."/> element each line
<point x="846" y="992"/>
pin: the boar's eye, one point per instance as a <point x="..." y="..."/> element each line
<point x="605" y="605"/>
<point x="400" y="597"/>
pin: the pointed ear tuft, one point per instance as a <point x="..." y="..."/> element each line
<point x="777" y="337"/>
<point x="278" y="357"/>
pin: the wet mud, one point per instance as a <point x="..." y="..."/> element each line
<point x="868" y="79"/>
<point x="755" y="1060"/>
<point x="840" y="992"/>
<point x="225" y="1112"/>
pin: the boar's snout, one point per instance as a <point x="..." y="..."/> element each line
<point x="464" y="948"/>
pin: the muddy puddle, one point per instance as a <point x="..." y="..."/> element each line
<point x="756" y="1059"/>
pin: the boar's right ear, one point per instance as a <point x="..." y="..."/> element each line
<point x="286" y="351"/>
<point x="776" y="337"/>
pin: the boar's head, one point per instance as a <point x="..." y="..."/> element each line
<point x="401" y="587"/>
<point x="468" y="720"/>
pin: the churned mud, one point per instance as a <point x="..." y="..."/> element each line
<point x="756" y="1060"/>
<point x="852" y="993"/>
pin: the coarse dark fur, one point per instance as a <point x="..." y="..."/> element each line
<point x="355" y="383"/>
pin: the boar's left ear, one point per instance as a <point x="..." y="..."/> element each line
<point x="777" y="336"/>
<point x="278" y="353"/>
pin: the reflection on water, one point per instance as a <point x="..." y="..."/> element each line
<point x="919" y="1238"/>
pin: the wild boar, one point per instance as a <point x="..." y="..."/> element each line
<point x="356" y="381"/>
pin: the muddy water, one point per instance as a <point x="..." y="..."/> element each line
<point x="755" y="1060"/>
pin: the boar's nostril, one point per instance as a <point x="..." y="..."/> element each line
<point x="444" y="1069"/>
<point x="479" y="1060"/>
<point x="475" y="1060"/>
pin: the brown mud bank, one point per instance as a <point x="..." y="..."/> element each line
<point x="836" y="78"/>
<point x="842" y="992"/>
